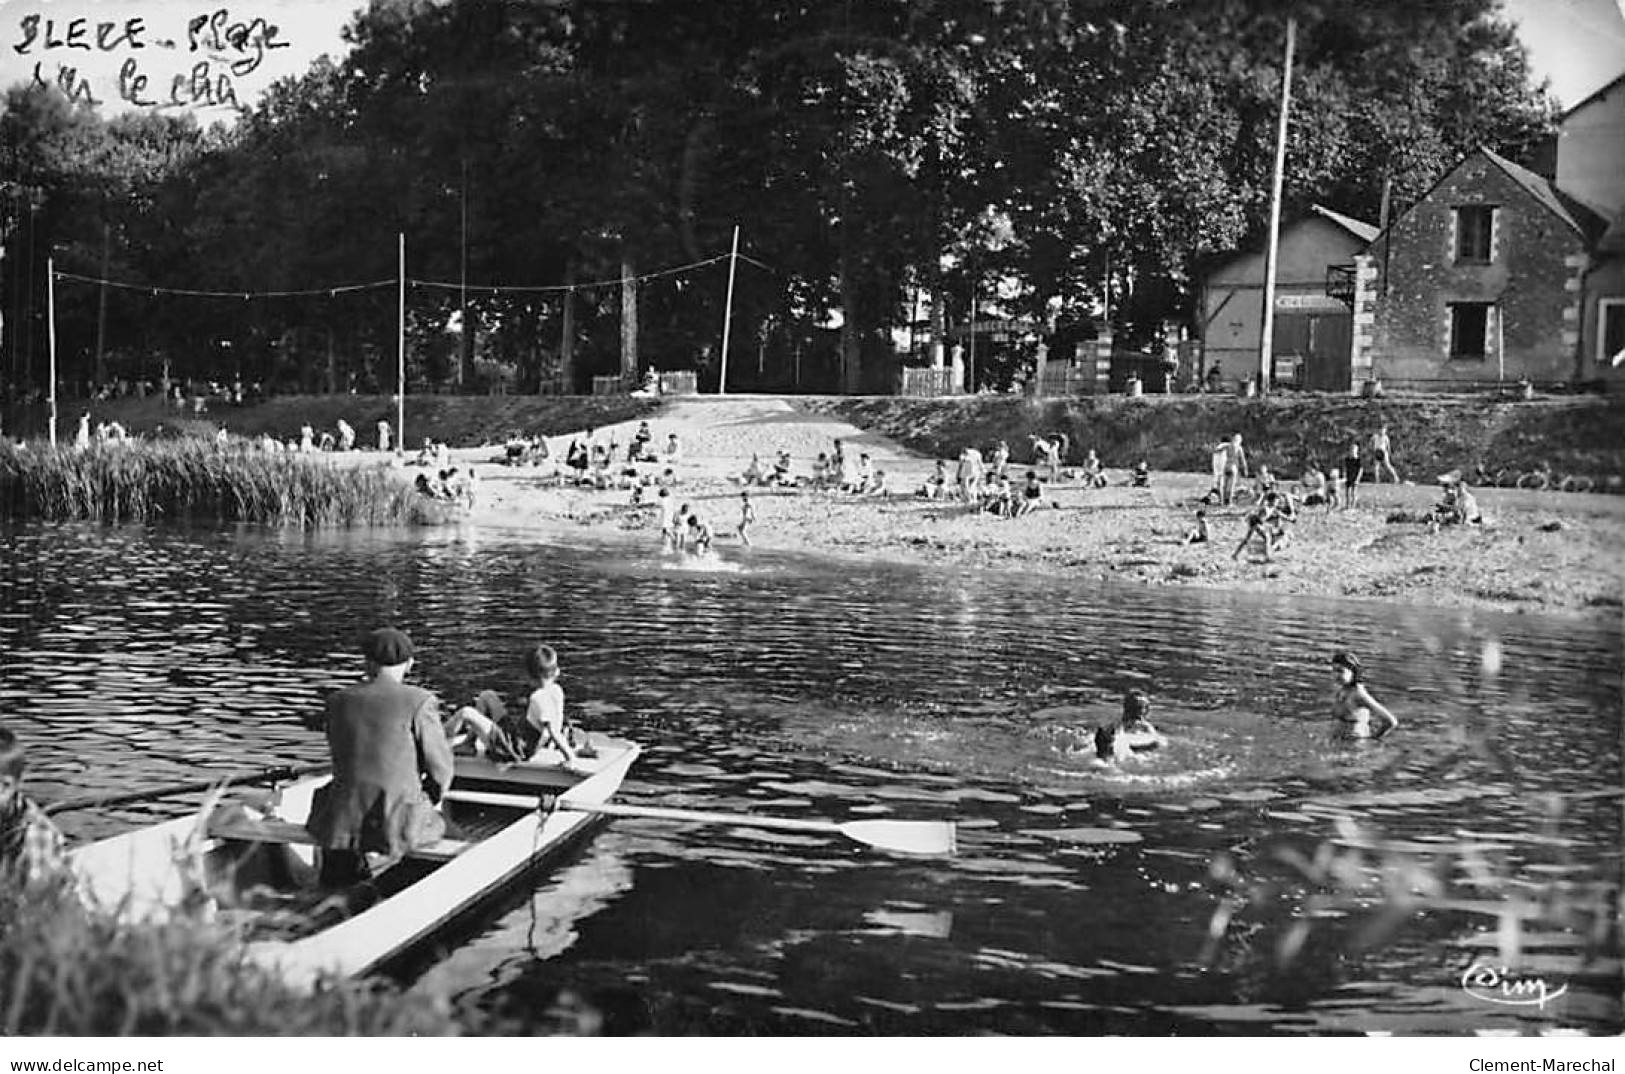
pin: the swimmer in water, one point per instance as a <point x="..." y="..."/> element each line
<point x="1130" y="735"/>
<point x="1353" y="706"/>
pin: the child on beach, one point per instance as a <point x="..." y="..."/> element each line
<point x="1140" y="478"/>
<point x="1032" y="495"/>
<point x="747" y="515"/>
<point x="936" y="486"/>
<point x="32" y="851"/>
<point x="1352" y="704"/>
<point x="1353" y="468"/>
<point x="543" y="726"/>
<point x="1265" y="522"/>
<point x="1094" y="476"/>
<point x="781" y="469"/>
<point x="1198" y="534"/>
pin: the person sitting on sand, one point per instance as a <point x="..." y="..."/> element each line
<point x="641" y="440"/>
<point x="755" y="473"/>
<point x="346" y="435"/>
<point x="866" y="473"/>
<point x="1198" y="534"/>
<point x="1094" y="475"/>
<point x="881" y="485"/>
<point x="1312" y="485"/>
<point x="673" y="453"/>
<point x="820" y="471"/>
<point x="1264" y="521"/>
<point x="998" y="499"/>
<point x="781" y="470"/>
<point x="1140" y="476"/>
<point x="936" y="486"/>
<point x="849" y="479"/>
<point x="1352" y="705"/>
<point x="1031" y="497"/>
<point x="1458" y="508"/>
<point x="1130" y="735"/>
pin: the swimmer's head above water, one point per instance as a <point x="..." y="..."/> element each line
<point x="1344" y="660"/>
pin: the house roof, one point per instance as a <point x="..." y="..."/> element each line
<point x="1613" y="240"/>
<point x="1542" y="190"/>
<point x="1358" y="228"/>
<point x="1600" y="91"/>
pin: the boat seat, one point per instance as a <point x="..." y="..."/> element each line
<point x="248" y="830"/>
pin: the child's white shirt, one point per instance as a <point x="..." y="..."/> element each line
<point x="546" y="710"/>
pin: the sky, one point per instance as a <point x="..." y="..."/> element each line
<point x="182" y="63"/>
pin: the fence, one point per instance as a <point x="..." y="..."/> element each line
<point x="612" y="385"/>
<point x="927" y="383"/>
<point x="684" y="383"/>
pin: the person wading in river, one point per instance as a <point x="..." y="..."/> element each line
<point x="1352" y="704"/>
<point x="391" y="764"/>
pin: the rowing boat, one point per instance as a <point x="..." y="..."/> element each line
<point x="255" y="863"/>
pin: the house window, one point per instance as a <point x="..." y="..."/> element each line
<point x="1611" y="332"/>
<point x="1473" y="227"/>
<point x="1469" y="329"/>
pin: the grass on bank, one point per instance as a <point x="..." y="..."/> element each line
<point x="201" y="481"/>
<point x="66" y="970"/>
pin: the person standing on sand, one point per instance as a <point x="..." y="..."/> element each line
<point x="1382" y="456"/>
<point x="1235" y="467"/>
<point x="747" y="515"/>
<point x="383" y="435"/>
<point x="1353" y="469"/>
<point x="969" y="476"/>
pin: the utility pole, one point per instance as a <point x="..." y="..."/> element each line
<point x="728" y="313"/>
<point x="400" y="354"/>
<point x="465" y="339"/>
<point x="1266" y="342"/>
<point x="50" y="328"/>
<point x="101" y="304"/>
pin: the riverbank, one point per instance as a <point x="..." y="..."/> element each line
<point x="1537" y="552"/>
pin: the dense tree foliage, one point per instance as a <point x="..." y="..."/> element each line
<point x="1087" y="155"/>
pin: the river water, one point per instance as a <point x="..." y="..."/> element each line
<point x="1254" y="877"/>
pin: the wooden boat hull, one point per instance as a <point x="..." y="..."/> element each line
<point x="149" y="872"/>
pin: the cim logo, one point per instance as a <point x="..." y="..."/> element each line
<point x="1497" y="984"/>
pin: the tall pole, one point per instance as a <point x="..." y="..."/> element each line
<point x="50" y="327"/>
<point x="464" y="340"/>
<point x="728" y="313"/>
<point x="400" y="353"/>
<point x="1266" y="341"/>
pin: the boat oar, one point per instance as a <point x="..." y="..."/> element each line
<point x="196" y="786"/>
<point x="897" y="836"/>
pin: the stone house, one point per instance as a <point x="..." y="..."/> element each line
<point x="1310" y="340"/>
<point x="1501" y="273"/>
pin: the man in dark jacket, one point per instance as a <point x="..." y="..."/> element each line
<point x="391" y="764"/>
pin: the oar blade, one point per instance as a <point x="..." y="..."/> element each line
<point x="903" y="836"/>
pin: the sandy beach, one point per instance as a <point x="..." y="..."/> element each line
<point x="1544" y="552"/>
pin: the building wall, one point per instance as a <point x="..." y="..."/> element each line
<point x="1233" y="295"/>
<point x="1604" y="285"/>
<point x="1536" y="260"/>
<point x="1591" y="152"/>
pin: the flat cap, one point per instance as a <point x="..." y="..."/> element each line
<point x="387" y="647"/>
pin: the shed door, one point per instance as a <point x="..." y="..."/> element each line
<point x="1329" y="353"/>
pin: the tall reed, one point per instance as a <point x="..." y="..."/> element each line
<point x="148" y="482"/>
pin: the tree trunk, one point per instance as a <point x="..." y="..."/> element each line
<point x="332" y="363"/>
<point x="851" y="338"/>
<point x="629" y="320"/>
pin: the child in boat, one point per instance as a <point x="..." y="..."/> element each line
<point x="32" y="851"/>
<point x="1352" y="704"/>
<point x="1130" y="735"/>
<point x="544" y="726"/>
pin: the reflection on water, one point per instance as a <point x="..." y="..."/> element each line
<point x="1082" y="898"/>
